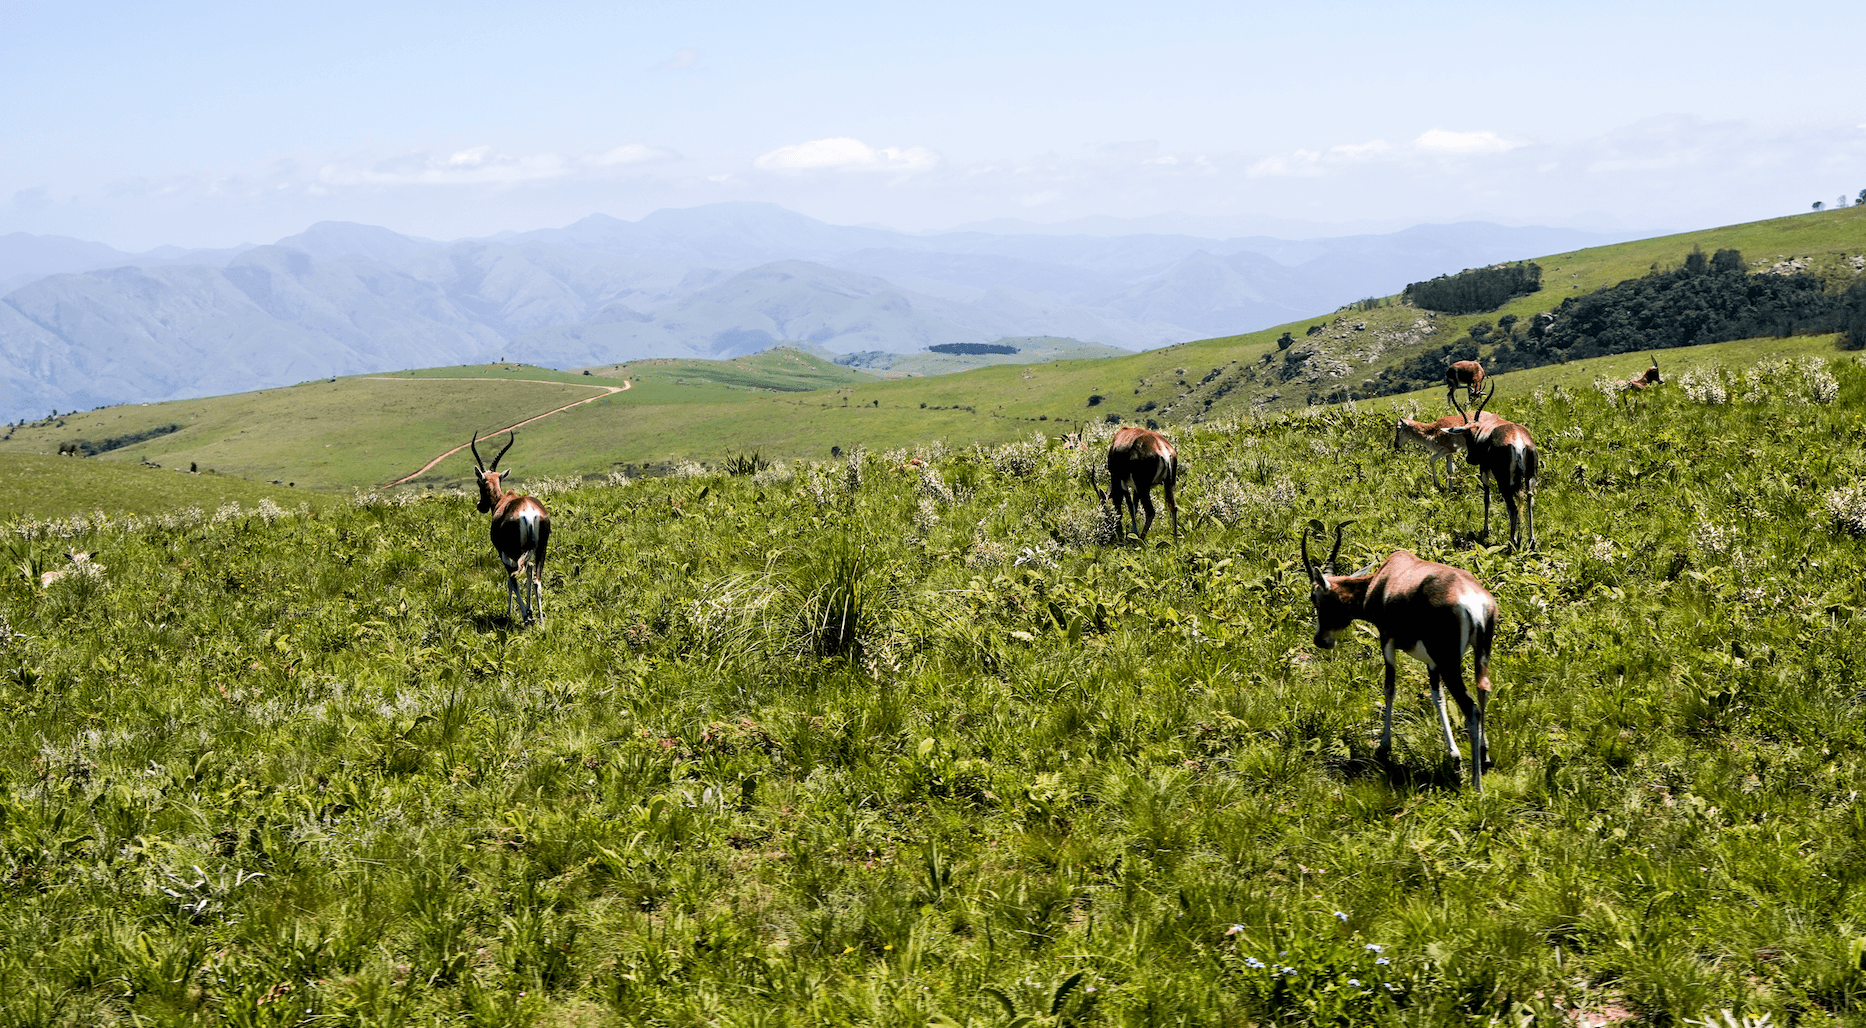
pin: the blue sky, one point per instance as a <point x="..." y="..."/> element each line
<point x="208" y="124"/>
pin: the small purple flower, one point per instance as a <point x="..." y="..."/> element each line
<point x="1234" y="929"/>
<point x="1253" y="963"/>
<point x="1356" y="982"/>
<point x="1339" y="916"/>
<point x="1383" y="961"/>
<point x="1372" y="947"/>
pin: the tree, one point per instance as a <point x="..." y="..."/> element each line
<point x="1860" y="198"/>
<point x="1818" y="205"/>
<point x="1507" y="324"/>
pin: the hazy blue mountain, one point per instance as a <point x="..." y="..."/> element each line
<point x="274" y="316"/>
<point x="25" y="254"/>
<point x="1210" y="295"/>
<point x="753" y="309"/>
<point x="329" y="239"/>
<point x="716" y="235"/>
<point x="26" y="258"/>
<point x="87" y="324"/>
<point x="519" y="288"/>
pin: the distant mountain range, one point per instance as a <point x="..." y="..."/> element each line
<point x="84" y="325"/>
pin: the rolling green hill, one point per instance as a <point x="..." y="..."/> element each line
<point x="46" y="487"/>
<point x="371" y="430"/>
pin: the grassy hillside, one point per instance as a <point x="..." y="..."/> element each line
<point x="782" y="370"/>
<point x="284" y="768"/>
<point x="1030" y="350"/>
<point x="370" y="430"/>
<point x="45" y="487"/>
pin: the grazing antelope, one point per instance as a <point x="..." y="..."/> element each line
<point x="1505" y="451"/>
<point x="1430" y="436"/>
<point x="1468" y="374"/>
<point x="521" y="529"/>
<point x="1138" y="460"/>
<point x="1434" y="612"/>
<point x="1648" y="377"/>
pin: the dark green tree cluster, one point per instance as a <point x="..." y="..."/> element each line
<point x="1853" y="314"/>
<point x="91" y="449"/>
<point x="1708" y="300"/>
<point x="972" y="349"/>
<point x="1479" y="289"/>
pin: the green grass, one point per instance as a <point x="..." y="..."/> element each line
<point x="853" y="743"/>
<point x="776" y="370"/>
<point x="45" y="487"/>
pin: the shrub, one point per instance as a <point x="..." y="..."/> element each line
<point x="1846" y="507"/>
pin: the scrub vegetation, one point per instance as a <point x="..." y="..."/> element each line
<point x="911" y="737"/>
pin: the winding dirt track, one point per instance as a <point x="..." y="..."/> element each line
<point x="606" y="391"/>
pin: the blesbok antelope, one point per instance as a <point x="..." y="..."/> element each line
<point x="1430" y="436"/>
<point x="1466" y="374"/>
<point x="521" y="530"/>
<point x="1138" y="460"/>
<point x="1505" y="451"/>
<point x="1434" y="612"/>
<point x="1648" y="377"/>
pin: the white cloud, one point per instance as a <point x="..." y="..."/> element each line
<point x="632" y="153"/>
<point x="1446" y="141"/>
<point x="685" y="57"/>
<point x="1299" y="162"/>
<point x="1362" y="151"/>
<point x="842" y="152"/>
<point x="1431" y="143"/>
<point x="483" y="165"/>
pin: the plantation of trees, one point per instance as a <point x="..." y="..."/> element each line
<point x="972" y="349"/>
<point x="1479" y="289"/>
<point x="1708" y="300"/>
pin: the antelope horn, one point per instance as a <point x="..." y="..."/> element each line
<point x="1452" y="394"/>
<point x="1307" y="564"/>
<point x="1336" y="552"/>
<point x="479" y="464"/>
<point x="508" y="445"/>
<point x="1480" y="404"/>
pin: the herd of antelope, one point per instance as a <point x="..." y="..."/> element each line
<point x="1434" y="612"/>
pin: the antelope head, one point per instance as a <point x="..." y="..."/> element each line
<point x="489" y="479"/>
<point x="1334" y="610"/>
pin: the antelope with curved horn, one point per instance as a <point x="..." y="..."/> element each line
<point x="1430" y="436"/>
<point x="521" y="530"/>
<point x="1468" y="375"/>
<point x="1648" y="377"/>
<point x="1434" y="612"/>
<point x="1505" y="451"/>
<point x="1138" y="460"/>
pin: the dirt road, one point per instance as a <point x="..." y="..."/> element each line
<point x="423" y="469"/>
